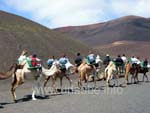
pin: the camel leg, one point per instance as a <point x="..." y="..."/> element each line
<point x="70" y="81"/>
<point x="61" y="78"/>
<point x="145" y="75"/>
<point x="132" y="78"/>
<point x="54" y="84"/>
<point x="108" y="77"/>
<point x="79" y="82"/>
<point x="13" y="89"/>
<point x="126" y="77"/>
<point x="135" y="77"/>
<point x="94" y="80"/>
<point x="46" y="80"/>
<point x="87" y="82"/>
<point x="14" y="85"/>
<point x="45" y="83"/>
<point x="107" y="83"/>
<point x="116" y="79"/>
<point x="97" y="76"/>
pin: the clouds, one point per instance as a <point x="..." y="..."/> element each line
<point x="131" y="7"/>
<point x="57" y="13"/>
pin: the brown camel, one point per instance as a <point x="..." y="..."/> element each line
<point x="84" y="71"/>
<point x="58" y="73"/>
<point x="133" y="70"/>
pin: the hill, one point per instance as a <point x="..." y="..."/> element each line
<point x="17" y="33"/>
<point x="128" y="28"/>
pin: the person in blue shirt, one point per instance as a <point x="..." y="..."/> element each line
<point x="91" y="57"/>
<point x="50" y="61"/>
<point x="63" y="61"/>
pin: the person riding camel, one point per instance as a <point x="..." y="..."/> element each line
<point x="63" y="61"/>
<point x="119" y="64"/>
<point x="35" y="61"/>
<point x="145" y="63"/>
<point x="135" y="61"/>
<point x="22" y="58"/>
<point x="124" y="58"/>
<point x="106" y="60"/>
<point x="119" y="61"/>
<point x="50" y="61"/>
<point x="91" y="58"/>
<point x="78" y="60"/>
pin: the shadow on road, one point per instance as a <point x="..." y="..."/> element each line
<point x="1" y="107"/>
<point x="27" y="98"/>
<point x="5" y="103"/>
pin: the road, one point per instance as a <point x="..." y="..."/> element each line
<point x="135" y="98"/>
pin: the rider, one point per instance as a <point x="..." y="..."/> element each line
<point x="145" y="65"/>
<point x="119" y="63"/>
<point x="124" y="58"/>
<point x="135" y="61"/>
<point x="107" y="60"/>
<point x="63" y="61"/>
<point x="35" y="61"/>
<point x="22" y="58"/>
<point x="91" y="58"/>
<point x="78" y="59"/>
<point x="50" y="61"/>
<point x="119" y="60"/>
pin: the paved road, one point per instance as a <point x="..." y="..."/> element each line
<point x="134" y="98"/>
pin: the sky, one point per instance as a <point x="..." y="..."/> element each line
<point x="60" y="13"/>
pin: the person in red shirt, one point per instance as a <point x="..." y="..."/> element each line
<point x="35" y="61"/>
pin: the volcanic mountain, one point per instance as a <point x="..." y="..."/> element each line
<point x="129" y="35"/>
<point x="18" y="33"/>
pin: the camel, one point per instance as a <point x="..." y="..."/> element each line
<point x="54" y="72"/>
<point x="9" y="73"/>
<point x="84" y="71"/>
<point x="110" y="72"/>
<point x="133" y="70"/>
<point x="70" y="69"/>
<point x="18" y="79"/>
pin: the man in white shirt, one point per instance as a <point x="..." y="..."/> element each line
<point x="22" y="57"/>
<point x="135" y="60"/>
<point x="124" y="58"/>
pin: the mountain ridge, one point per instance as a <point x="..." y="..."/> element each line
<point x="18" y="33"/>
<point x="106" y="29"/>
<point x="128" y="28"/>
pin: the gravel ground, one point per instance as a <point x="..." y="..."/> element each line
<point x="135" y="98"/>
